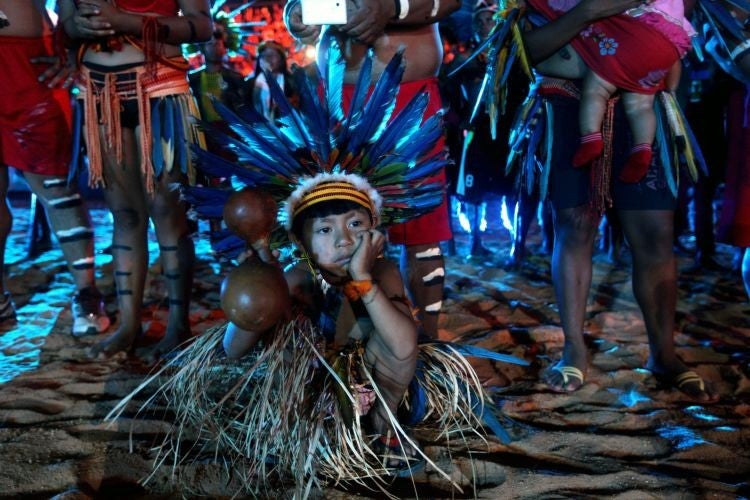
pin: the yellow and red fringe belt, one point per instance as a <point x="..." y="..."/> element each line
<point x="102" y="104"/>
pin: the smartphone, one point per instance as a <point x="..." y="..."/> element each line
<point x="319" y="12"/>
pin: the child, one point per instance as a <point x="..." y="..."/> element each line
<point x="638" y="53"/>
<point x="328" y="393"/>
<point x="364" y="292"/>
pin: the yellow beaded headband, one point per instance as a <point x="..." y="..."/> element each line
<point x="326" y="187"/>
<point x="333" y="191"/>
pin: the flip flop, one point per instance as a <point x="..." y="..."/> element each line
<point x="568" y="373"/>
<point x="687" y="382"/>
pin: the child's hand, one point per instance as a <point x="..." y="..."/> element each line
<point x="371" y="244"/>
<point x="265" y="254"/>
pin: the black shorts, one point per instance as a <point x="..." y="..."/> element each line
<point x="571" y="187"/>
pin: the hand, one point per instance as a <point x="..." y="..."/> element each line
<point x="95" y="18"/>
<point x="598" y="9"/>
<point x="264" y="253"/>
<point x="57" y="75"/>
<point x="367" y="19"/>
<point x="371" y="244"/>
<point x="299" y="30"/>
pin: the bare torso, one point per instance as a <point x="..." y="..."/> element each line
<point x="128" y="54"/>
<point x="565" y="63"/>
<point x="423" y="55"/>
<point x="27" y="18"/>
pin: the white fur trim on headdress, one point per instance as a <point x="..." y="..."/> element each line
<point x="307" y="184"/>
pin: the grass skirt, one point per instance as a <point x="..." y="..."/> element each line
<point x="287" y="411"/>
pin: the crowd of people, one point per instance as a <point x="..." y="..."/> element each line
<point x="138" y="102"/>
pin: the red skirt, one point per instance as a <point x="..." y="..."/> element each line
<point x="35" y="121"/>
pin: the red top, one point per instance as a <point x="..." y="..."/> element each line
<point x="160" y="7"/>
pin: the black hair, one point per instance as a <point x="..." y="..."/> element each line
<point x="324" y="209"/>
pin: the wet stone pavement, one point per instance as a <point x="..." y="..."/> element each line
<point x="620" y="436"/>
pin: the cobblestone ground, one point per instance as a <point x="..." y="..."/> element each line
<point x="620" y="436"/>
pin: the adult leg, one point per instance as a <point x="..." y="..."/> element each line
<point x="650" y="234"/>
<point x="177" y="253"/>
<point x="594" y="96"/>
<point x="424" y="269"/>
<point x="7" y="312"/>
<point x="126" y="200"/>
<point x="72" y="226"/>
<point x="639" y="109"/>
<point x="575" y="231"/>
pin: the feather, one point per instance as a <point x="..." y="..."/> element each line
<point x="181" y="141"/>
<point x="208" y="202"/>
<point x="664" y="153"/>
<point x="290" y="118"/>
<point x="401" y="128"/>
<point x="480" y="352"/>
<point x="157" y="158"/>
<point x="549" y="139"/>
<point x="167" y="134"/>
<point x="718" y="15"/>
<point x="75" y="160"/>
<point x="379" y="106"/>
<point x="334" y="84"/>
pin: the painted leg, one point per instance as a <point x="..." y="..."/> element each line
<point x="424" y="269"/>
<point x="72" y="226"/>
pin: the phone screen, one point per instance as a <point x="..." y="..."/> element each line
<point x="319" y="12"/>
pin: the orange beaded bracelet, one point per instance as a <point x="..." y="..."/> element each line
<point x="354" y="290"/>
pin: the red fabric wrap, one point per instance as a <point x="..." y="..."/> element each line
<point x="434" y="226"/>
<point x="159" y="7"/>
<point x="628" y="53"/>
<point x="35" y="121"/>
<point x="734" y="224"/>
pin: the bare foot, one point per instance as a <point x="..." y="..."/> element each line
<point x="173" y="339"/>
<point x="689" y="383"/>
<point x="120" y="341"/>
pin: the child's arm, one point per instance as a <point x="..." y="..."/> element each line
<point x="672" y="80"/>
<point x="544" y="41"/>
<point x="392" y="320"/>
<point x="238" y="341"/>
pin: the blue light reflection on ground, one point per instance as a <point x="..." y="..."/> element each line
<point x="20" y="347"/>
<point x="630" y="398"/>
<point x="682" y="438"/>
<point x="698" y="412"/>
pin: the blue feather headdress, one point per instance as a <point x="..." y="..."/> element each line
<point x="234" y="32"/>
<point x="386" y="157"/>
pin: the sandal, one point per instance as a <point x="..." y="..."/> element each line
<point x="690" y="384"/>
<point x="572" y="378"/>
<point x="394" y="458"/>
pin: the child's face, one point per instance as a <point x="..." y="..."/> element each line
<point x="331" y="241"/>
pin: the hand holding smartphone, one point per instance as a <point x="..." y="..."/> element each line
<point x="319" y="12"/>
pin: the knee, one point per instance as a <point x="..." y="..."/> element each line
<point x="128" y="219"/>
<point x="575" y="229"/>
